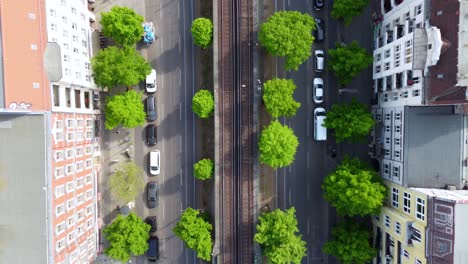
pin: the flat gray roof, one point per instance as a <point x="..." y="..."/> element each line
<point x="23" y="196"/>
<point x="433" y="147"/>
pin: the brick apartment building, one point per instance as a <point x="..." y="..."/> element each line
<point x="49" y="133"/>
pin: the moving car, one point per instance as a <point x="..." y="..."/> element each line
<point x="320" y="132"/>
<point x="153" y="250"/>
<point x="319" y="60"/>
<point x="152" y="194"/>
<point x="318" y="4"/>
<point x="318" y="90"/>
<point x="151" y="220"/>
<point x="148" y="33"/>
<point x="151" y="134"/>
<point x="151" y="85"/>
<point x="319" y="32"/>
<point x="151" y="113"/>
<point x="154" y="162"/>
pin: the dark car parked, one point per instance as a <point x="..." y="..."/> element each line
<point x="151" y="220"/>
<point x="152" y="193"/>
<point x="319" y="32"/>
<point x="151" y="134"/>
<point x="318" y="4"/>
<point x="153" y="251"/>
<point x="151" y="113"/>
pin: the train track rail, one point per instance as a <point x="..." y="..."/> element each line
<point x="236" y="130"/>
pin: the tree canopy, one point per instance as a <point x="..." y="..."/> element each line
<point x="347" y="61"/>
<point x="127" y="182"/>
<point x="126" y="109"/>
<point x="350" y="244"/>
<point x="348" y="9"/>
<point x="288" y="34"/>
<point x="127" y="236"/>
<point x="123" y="25"/>
<point x="202" y="32"/>
<point x="278" y="98"/>
<point x="354" y="189"/>
<point x="278" y="145"/>
<point x="195" y="232"/>
<point x="277" y="234"/>
<point x="113" y="66"/>
<point x="203" y="103"/>
<point x="351" y="121"/>
<point x="203" y="169"/>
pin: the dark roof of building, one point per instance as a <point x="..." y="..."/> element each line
<point x="432" y="147"/>
<point x="444" y="90"/>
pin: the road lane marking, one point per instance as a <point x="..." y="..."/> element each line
<point x="180" y="111"/>
<point x="289" y="196"/>
<point x="180" y="51"/>
<point x="308" y="191"/>
<point x="308" y="128"/>
<point x="308" y="225"/>
<point x="289" y="168"/>
<point x="308" y="159"/>
<point x="180" y="144"/>
<point x="163" y="219"/>
<point x="181" y="182"/>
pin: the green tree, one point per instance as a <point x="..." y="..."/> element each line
<point x="351" y="121"/>
<point x="350" y="243"/>
<point x="195" y="232"/>
<point x="127" y="236"/>
<point x="347" y="61"/>
<point x="203" y="103"/>
<point x="278" y="98"/>
<point x="126" y="109"/>
<point x="202" y="32"/>
<point x="113" y="66"/>
<point x="123" y="25"/>
<point x="354" y="189"/>
<point x="288" y="34"/>
<point x="277" y="234"/>
<point x="127" y="182"/>
<point x="203" y="169"/>
<point x="277" y="145"/>
<point x="348" y="9"/>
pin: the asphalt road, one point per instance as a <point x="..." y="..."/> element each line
<point x="172" y="56"/>
<point x="299" y="185"/>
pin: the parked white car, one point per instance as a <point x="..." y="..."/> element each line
<point x="154" y="162"/>
<point x="151" y="85"/>
<point x="319" y="60"/>
<point x="318" y="90"/>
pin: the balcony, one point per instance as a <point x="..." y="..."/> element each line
<point x="389" y="34"/>
<point x="400" y="32"/>
<point x="388" y="83"/>
<point x="399" y="80"/>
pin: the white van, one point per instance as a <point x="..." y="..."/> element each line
<point x="154" y="160"/>
<point x="151" y="85"/>
<point x="320" y="132"/>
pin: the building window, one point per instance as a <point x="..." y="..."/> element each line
<point x="397" y="116"/>
<point x="80" y="199"/>
<point x="80" y="230"/>
<point x="59" y="190"/>
<point x="89" y="134"/>
<point x="70" y="123"/>
<point x="387" y="53"/>
<point x="404" y="94"/>
<point x="415" y="92"/>
<point x="397" y="63"/>
<point x="387" y="66"/>
<point x="417" y="10"/>
<point x="416" y="235"/>
<point x="70" y="136"/>
<point x="80" y="183"/>
<point x="71" y="236"/>
<point x="420" y="208"/>
<point x="387" y="116"/>
<point x="70" y="187"/>
<point x="89" y="194"/>
<point x="59" y="155"/>
<point x="70" y="169"/>
<point x="397" y="129"/>
<point x="59" y="209"/>
<point x="89" y="223"/>
<point x="387" y="152"/>
<point x="89" y="179"/>
<point x="71" y="221"/>
<point x="417" y="261"/>
<point x="386" y="168"/>
<point x="397" y="155"/>
<point x="378" y="57"/>
<point x="60" y="245"/>
<point x="70" y="153"/>
<point x="80" y="215"/>
<point x="395" y="198"/>
<point x="59" y="173"/>
<point x="79" y="136"/>
<point x="407" y="202"/>
<point x="70" y="204"/>
<point x="377" y="68"/>
<point x="79" y="151"/>
<point x="60" y="228"/>
<point x="397" y="228"/>
<point x="387" y="128"/>
<point x="397" y="141"/>
<point x="387" y="140"/>
<point x="387" y="221"/>
<point x="406" y="254"/>
<point x="89" y="150"/>
<point x="89" y="163"/>
<point x="89" y="209"/>
<point x="79" y="166"/>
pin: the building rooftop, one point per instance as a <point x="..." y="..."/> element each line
<point x="23" y="198"/>
<point x="24" y="84"/>
<point x="433" y="147"/>
<point x="448" y="78"/>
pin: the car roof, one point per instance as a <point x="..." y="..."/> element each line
<point x="318" y="81"/>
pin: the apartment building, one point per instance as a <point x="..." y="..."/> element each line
<point x="46" y="80"/>
<point x="422" y="225"/>
<point x="419" y="52"/>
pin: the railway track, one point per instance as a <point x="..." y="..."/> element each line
<point x="236" y="130"/>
